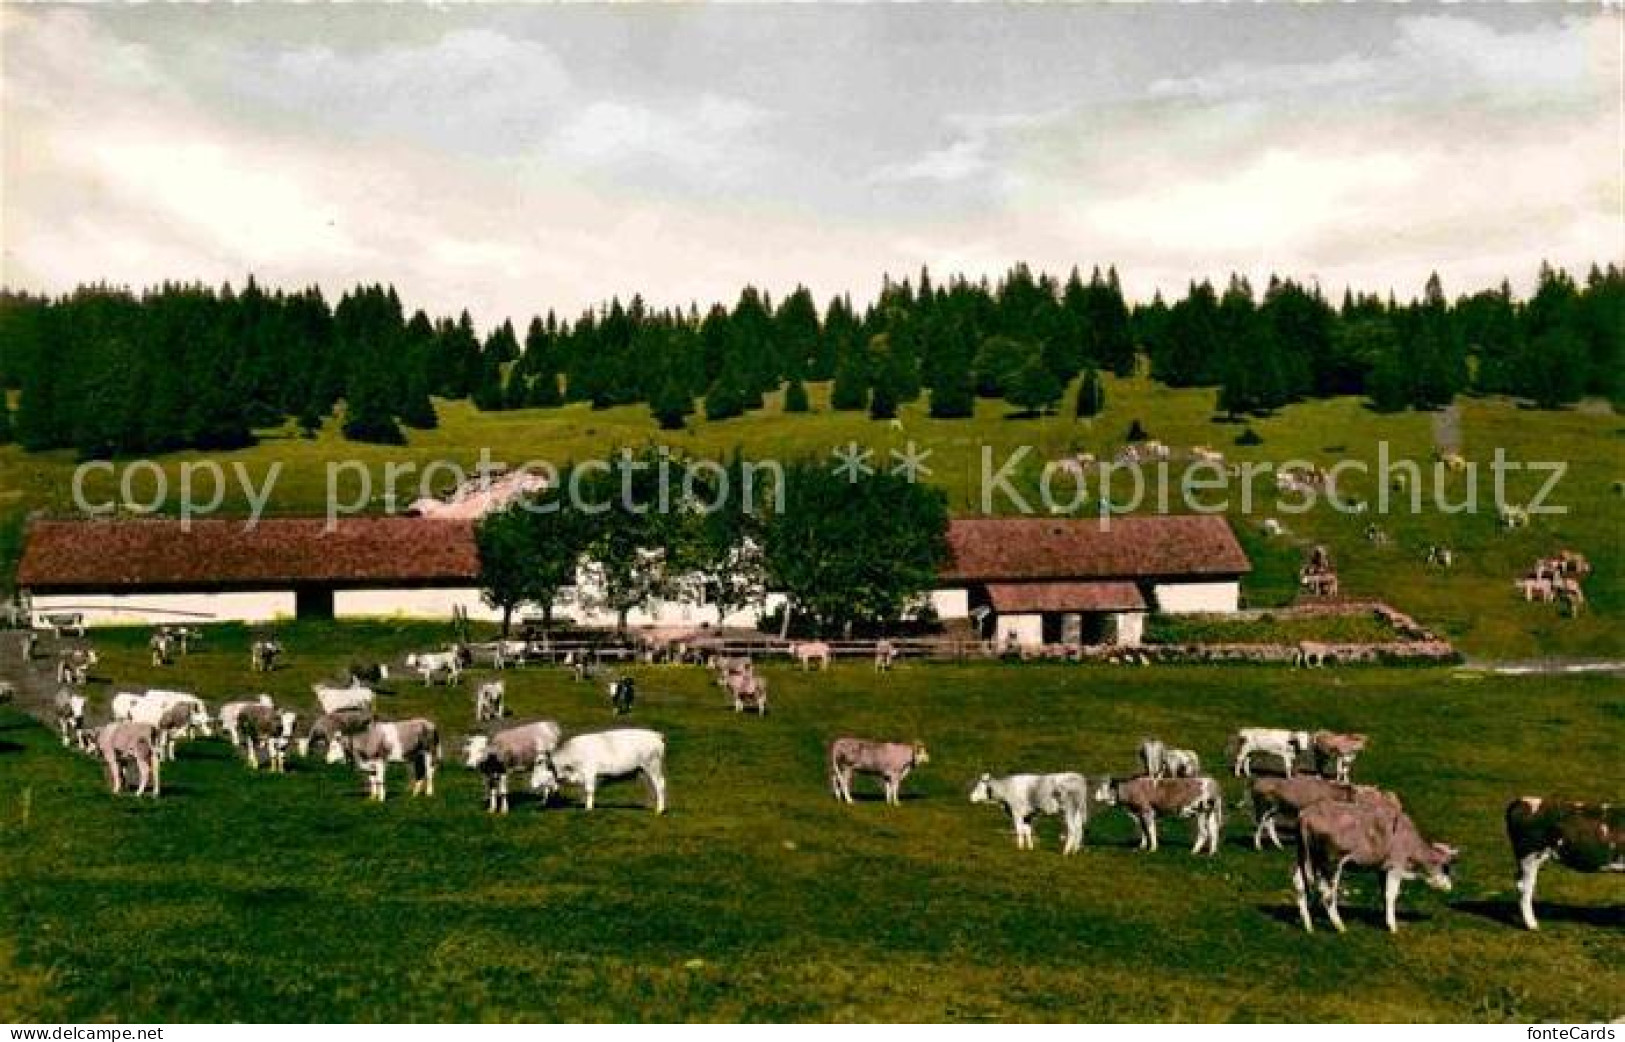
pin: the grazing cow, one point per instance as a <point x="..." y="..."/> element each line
<point x="885" y="656"/>
<point x="1144" y="799"/>
<point x="429" y="665"/>
<point x="1570" y="595"/>
<point x="1510" y="517"/>
<point x="265" y="731"/>
<point x="509" y="652"/>
<point x="231" y="710"/>
<point x="749" y="691"/>
<point x="1441" y="556"/>
<point x="70" y="716"/>
<point x="1311" y="655"/>
<point x="1535" y="588"/>
<point x="73" y="667"/>
<point x="1337" y="752"/>
<point x="586" y="758"/>
<point x="892" y="761"/>
<point x="809" y="652"/>
<point x="1582" y="836"/>
<point x="326" y="729"/>
<point x="414" y="742"/>
<point x="1572" y="563"/>
<point x="623" y="692"/>
<point x="1283" y="745"/>
<point x="1380" y="837"/>
<point x="174" y="713"/>
<point x="335" y="699"/>
<point x="514" y="749"/>
<point x="1025" y="796"/>
<point x="262" y="655"/>
<point x="138" y="743"/>
<point x="1277" y="801"/>
<point x="368" y="674"/>
<point x="1160" y="761"/>
<point x="1272" y="527"/>
<point x="488" y="701"/>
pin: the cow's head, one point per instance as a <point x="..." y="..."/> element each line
<point x="1435" y="863"/>
<point x="1106" y="792"/>
<point x="383" y="672"/>
<point x="920" y="755"/>
<point x="199" y="720"/>
<point x="338" y="747"/>
<point x="412" y="661"/>
<point x="287" y="724"/>
<point x="982" y="791"/>
<point x="76" y="711"/>
<point x="475" y="750"/>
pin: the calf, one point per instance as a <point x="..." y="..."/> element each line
<point x="586" y="758"/>
<point x="489" y="701"/>
<point x="892" y="761"/>
<point x="810" y="652"/>
<point x="1145" y="798"/>
<point x="70" y="716"/>
<point x="163" y="647"/>
<point x="513" y="749"/>
<point x="326" y="729"/>
<point x="262" y="655"/>
<point x="135" y="742"/>
<point x="1025" y="796"/>
<point x="73" y="667"/>
<point x="1582" y="836"/>
<point x="368" y="674"/>
<point x="1379" y="837"/>
<point x="1160" y="761"/>
<point x="1311" y="655"/>
<point x="885" y="656"/>
<point x="1283" y="745"/>
<point x="749" y="691"/>
<point x="174" y="713"/>
<point x="1278" y="800"/>
<point x="1335" y="753"/>
<point x="414" y="742"/>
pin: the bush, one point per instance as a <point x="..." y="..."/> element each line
<point x="1137" y="432"/>
<point x="1249" y="437"/>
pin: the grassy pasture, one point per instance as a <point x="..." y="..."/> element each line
<point x="253" y="897"/>
<point x="1473" y="605"/>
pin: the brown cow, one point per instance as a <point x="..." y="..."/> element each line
<point x="891" y="760"/>
<point x="1583" y="836"/>
<point x="1333" y="836"/>
<point x="1144" y="798"/>
<point x="121" y="741"/>
<point x="1338" y="752"/>
<point x="808" y="653"/>
<point x="1279" y="800"/>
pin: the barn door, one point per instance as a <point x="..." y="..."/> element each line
<point x="314" y="602"/>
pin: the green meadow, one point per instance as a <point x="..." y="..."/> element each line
<point x="243" y="896"/>
<point x="1474" y="604"/>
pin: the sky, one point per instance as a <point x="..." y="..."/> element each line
<point x="511" y="159"/>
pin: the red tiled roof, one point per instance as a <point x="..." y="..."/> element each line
<point x="110" y="554"/>
<point x="1047" y="596"/>
<point x="993" y="549"/>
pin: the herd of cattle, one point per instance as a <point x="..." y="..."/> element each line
<point x="1339" y="825"/>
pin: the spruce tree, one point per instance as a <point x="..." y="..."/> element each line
<point x="1034" y="389"/>
<point x="724" y="400"/>
<point x="1091" y="396"/>
<point x="795" y="397"/>
<point x="851" y="390"/>
<point x="671" y="405"/>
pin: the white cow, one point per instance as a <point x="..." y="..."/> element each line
<point x="429" y="665"/>
<point x="1160" y="761"/>
<point x="1286" y="746"/>
<point x="174" y="713"/>
<point x="513" y="749"/>
<point x="70" y="716"/>
<point x="122" y="740"/>
<point x="338" y="699"/>
<point x="586" y="758"/>
<point x="1025" y="796"/>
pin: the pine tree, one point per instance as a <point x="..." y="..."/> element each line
<point x="851" y="390"/>
<point x="1091" y="396"/>
<point x="1034" y="389"/>
<point x="795" y="397"/>
<point x="672" y="405"/>
<point x="724" y="400"/>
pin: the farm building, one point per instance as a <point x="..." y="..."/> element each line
<point x="1042" y="580"/>
<point x="1025" y="581"/>
<point x="155" y="571"/>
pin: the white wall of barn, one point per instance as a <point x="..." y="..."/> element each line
<point x="1021" y="629"/>
<point x="951" y="602"/>
<point x="1175" y="598"/>
<point x="426" y="603"/>
<point x="134" y="609"/>
<point x="1128" y="628"/>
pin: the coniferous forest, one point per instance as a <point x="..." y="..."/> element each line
<point x="106" y="371"/>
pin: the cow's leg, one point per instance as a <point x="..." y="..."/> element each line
<point x="1151" y="831"/>
<point x="502" y="791"/>
<point x="377" y="779"/>
<point x="115" y="771"/>
<point x="1300" y="893"/>
<point x="1390" y="898"/>
<point x="428" y="773"/>
<point x="657" y="780"/>
<point x="590" y="787"/>
<point x="156" y="783"/>
<point x="1287" y="760"/>
<point x="1328" y="896"/>
<point x="1528" y="874"/>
